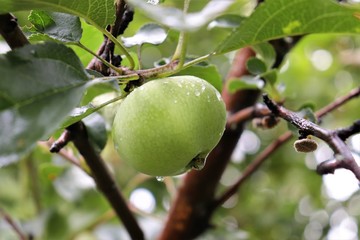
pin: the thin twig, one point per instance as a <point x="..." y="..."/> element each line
<point x="338" y="102"/>
<point x="248" y="113"/>
<point x="251" y="168"/>
<point x="13" y="225"/>
<point x="341" y="151"/>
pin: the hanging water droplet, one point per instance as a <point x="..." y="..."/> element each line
<point x="197" y="163"/>
<point x="159" y="178"/>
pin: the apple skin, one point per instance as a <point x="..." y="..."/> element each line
<point x="168" y="126"/>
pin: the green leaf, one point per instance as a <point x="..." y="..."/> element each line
<point x="266" y="52"/>
<point x="270" y="76"/>
<point x="255" y="66"/>
<point x="99" y="12"/>
<point x="58" y="26"/>
<point x="176" y="19"/>
<point x="208" y="72"/>
<point x="226" y="21"/>
<point x="246" y="82"/>
<point x="96" y="130"/>
<point x="308" y="113"/>
<point x="295" y="17"/>
<point x="40" y="85"/>
<point x="57" y="226"/>
<point x="149" y="33"/>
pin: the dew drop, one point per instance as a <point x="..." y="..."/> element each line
<point x="175" y="101"/>
<point x="218" y="96"/>
<point x="197" y="93"/>
<point x="188" y="93"/>
<point x="159" y="178"/>
<point x="180" y="85"/>
<point x="203" y="88"/>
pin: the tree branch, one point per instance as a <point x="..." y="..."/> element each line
<point x="104" y="180"/>
<point x="11" y="32"/>
<point x="341" y="151"/>
<point x="270" y="149"/>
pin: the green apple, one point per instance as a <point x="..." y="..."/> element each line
<point x="168" y="126"/>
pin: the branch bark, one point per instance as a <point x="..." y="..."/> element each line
<point x="104" y="180"/>
<point x="343" y="155"/>
<point x="192" y="209"/>
<point x="11" y="32"/>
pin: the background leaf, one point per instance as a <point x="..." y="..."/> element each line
<point x="99" y="12"/>
<point x="58" y="26"/>
<point x="246" y="82"/>
<point x="174" y="18"/>
<point x="149" y="33"/>
<point x="226" y="21"/>
<point x="209" y="72"/>
<point x="255" y="66"/>
<point x="40" y="85"/>
<point x="291" y="18"/>
<point x="96" y="130"/>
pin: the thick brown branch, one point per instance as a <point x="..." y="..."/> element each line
<point x="191" y="211"/>
<point x="11" y="32"/>
<point x="104" y="179"/>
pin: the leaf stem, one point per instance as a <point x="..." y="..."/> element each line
<point x="180" y="52"/>
<point x="106" y="63"/>
<point x="120" y="46"/>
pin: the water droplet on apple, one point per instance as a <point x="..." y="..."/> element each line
<point x="159" y="178"/>
<point x="197" y="93"/>
<point x="203" y="88"/>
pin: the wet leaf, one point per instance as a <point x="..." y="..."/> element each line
<point x="40" y="85"/>
<point x="99" y="12"/>
<point x="226" y="21"/>
<point x="291" y="18"/>
<point x="149" y="33"/>
<point x="175" y="18"/>
<point x="57" y="26"/>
